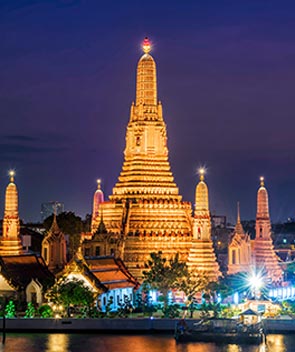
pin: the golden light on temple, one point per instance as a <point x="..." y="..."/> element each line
<point x="261" y="181"/>
<point x="11" y="173"/>
<point x="146" y="45"/>
<point x="98" y="182"/>
<point x="201" y="173"/>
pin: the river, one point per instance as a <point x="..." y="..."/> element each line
<point x="130" y="343"/>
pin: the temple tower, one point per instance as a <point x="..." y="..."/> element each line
<point x="145" y="206"/>
<point x="202" y="257"/>
<point x="265" y="256"/>
<point x="11" y="242"/>
<point x="239" y="250"/>
<point x="54" y="248"/>
<point x="98" y="198"/>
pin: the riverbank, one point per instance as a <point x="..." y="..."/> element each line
<point x="121" y="325"/>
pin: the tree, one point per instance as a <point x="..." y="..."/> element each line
<point x="30" y="311"/>
<point x="71" y="293"/>
<point x="70" y="224"/>
<point x="191" y="285"/>
<point x="164" y="275"/>
<point x="10" y="310"/>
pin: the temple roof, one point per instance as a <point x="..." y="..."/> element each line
<point x="21" y="269"/>
<point x="262" y="201"/>
<point x="111" y="272"/>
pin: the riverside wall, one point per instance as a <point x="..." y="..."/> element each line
<point x="125" y="326"/>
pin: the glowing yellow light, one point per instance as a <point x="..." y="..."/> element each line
<point x="261" y="180"/>
<point x="11" y="173"/>
<point x="146" y="45"/>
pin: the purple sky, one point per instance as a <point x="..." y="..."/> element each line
<point x="226" y="78"/>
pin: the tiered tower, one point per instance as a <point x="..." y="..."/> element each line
<point x="202" y="257"/>
<point x="98" y="198"/>
<point x="11" y="242"/>
<point x="239" y="250"/>
<point x="145" y="206"/>
<point x="265" y="256"/>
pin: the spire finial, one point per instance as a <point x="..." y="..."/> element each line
<point x="261" y="181"/>
<point x="98" y="183"/>
<point x="146" y="45"/>
<point x="238" y="213"/>
<point x="11" y="175"/>
<point x="202" y="172"/>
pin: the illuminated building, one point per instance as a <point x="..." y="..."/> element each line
<point x="25" y="275"/>
<point x="54" y="248"/>
<point x="265" y="256"/>
<point x="11" y="242"/>
<point x="239" y="250"/>
<point x="145" y="206"/>
<point x="98" y="198"/>
<point x="202" y="258"/>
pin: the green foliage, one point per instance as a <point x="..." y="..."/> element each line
<point x="71" y="293"/>
<point x="171" y="311"/>
<point x="30" y="311"/>
<point x="125" y="307"/>
<point x="163" y="274"/>
<point x="109" y="306"/>
<point x="10" y="310"/>
<point x="143" y="304"/>
<point x="45" y="311"/>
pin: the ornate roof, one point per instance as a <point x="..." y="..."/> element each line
<point x="19" y="270"/>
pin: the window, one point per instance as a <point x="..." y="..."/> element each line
<point x="86" y="252"/>
<point x="97" y="251"/>
<point x="234" y="256"/>
<point x="112" y="251"/>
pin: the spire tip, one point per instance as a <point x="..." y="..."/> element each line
<point x="261" y="181"/>
<point x="11" y="174"/>
<point x="146" y="45"/>
<point x="202" y="172"/>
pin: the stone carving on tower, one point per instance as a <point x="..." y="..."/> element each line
<point x="265" y="256"/>
<point x="145" y="206"/>
<point x="202" y="258"/>
<point x="11" y="243"/>
<point x="98" y="198"/>
<point x="54" y="248"/>
<point x="239" y="250"/>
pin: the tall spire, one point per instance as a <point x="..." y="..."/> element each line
<point x="262" y="201"/>
<point x="146" y="171"/>
<point x="202" y="198"/>
<point x="201" y="256"/>
<point x="146" y="80"/>
<point x="239" y="227"/>
<point x="265" y="256"/>
<point x="11" y="243"/>
<point x="98" y="198"/>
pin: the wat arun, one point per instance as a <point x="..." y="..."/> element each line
<point x="145" y="208"/>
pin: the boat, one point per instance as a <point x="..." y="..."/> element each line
<point x="206" y="331"/>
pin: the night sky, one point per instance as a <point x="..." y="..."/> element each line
<point x="226" y="79"/>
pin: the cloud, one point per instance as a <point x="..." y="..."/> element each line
<point x="21" y="138"/>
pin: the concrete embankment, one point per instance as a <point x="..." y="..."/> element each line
<point x="131" y="326"/>
<point x="144" y="325"/>
<point x="279" y="326"/>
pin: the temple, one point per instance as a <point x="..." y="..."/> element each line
<point x="54" y="248"/>
<point x="145" y="206"/>
<point x="202" y="258"/>
<point x="265" y="256"/>
<point x="11" y="243"/>
<point x="239" y="250"/>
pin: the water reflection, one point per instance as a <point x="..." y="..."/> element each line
<point x="57" y="343"/>
<point x="123" y="343"/>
